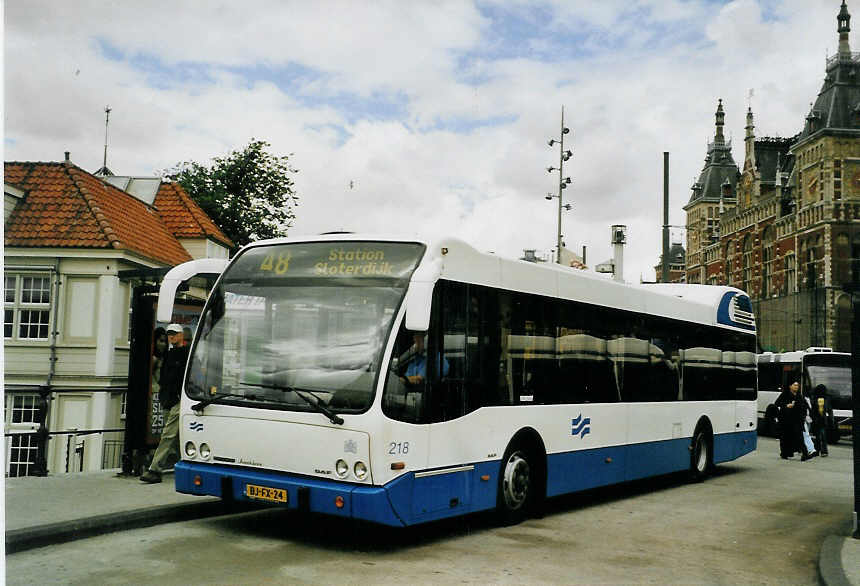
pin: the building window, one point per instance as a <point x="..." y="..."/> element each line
<point x="767" y="261"/>
<point x="23" y="449"/>
<point x="25" y="408"/>
<point x="22" y="446"/>
<point x="27" y="308"/>
<point x="810" y="258"/>
<point x="730" y="253"/>
<point x="10" y="289"/>
<point x="790" y="279"/>
<point x="747" y="263"/>
<point x="855" y="260"/>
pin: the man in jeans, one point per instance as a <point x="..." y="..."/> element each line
<point x="168" y="395"/>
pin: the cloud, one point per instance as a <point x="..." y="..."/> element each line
<point x="439" y="113"/>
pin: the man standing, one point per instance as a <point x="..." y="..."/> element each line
<point x="168" y="395"/>
<point x="792" y="414"/>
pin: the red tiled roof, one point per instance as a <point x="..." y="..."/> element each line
<point x="184" y="217"/>
<point x="67" y="207"/>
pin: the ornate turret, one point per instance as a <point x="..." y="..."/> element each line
<point x="844" y="20"/>
<point x="719" y="139"/>
<point x="835" y="108"/>
<point x="749" y="139"/>
<point x="719" y="164"/>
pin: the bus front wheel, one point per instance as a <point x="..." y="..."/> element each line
<point x="516" y="486"/>
<point x="701" y="455"/>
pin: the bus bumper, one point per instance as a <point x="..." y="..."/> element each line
<point x="339" y="499"/>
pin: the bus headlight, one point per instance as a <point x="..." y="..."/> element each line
<point x="205" y="452"/>
<point x="341" y="468"/>
<point x="360" y="470"/>
<point x="190" y="449"/>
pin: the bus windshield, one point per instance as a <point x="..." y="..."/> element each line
<point x="832" y="371"/>
<point x="301" y="326"/>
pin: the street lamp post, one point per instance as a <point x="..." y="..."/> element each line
<point x="563" y="182"/>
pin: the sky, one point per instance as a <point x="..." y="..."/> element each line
<point x="424" y="117"/>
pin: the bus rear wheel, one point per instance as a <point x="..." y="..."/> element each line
<point x="701" y="455"/>
<point x="516" y="486"/>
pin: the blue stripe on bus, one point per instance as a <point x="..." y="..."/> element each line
<point x="408" y="500"/>
<point x="359" y="501"/>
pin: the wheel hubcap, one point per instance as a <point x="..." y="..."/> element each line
<point x="516" y="481"/>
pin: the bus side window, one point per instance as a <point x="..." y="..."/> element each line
<point x="448" y="343"/>
<point x="664" y="358"/>
<point x="483" y="347"/>
<point x="403" y="400"/>
<point x="586" y="372"/>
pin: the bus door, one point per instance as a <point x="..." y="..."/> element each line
<point x="463" y="373"/>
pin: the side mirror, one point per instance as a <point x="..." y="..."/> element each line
<point x="419" y="296"/>
<point x="180" y="273"/>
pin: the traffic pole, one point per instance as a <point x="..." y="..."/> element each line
<point x="855" y="402"/>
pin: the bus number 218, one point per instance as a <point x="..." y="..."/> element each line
<point x="398" y="448"/>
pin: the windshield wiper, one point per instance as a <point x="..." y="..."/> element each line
<point x="316" y="404"/>
<point x="198" y="407"/>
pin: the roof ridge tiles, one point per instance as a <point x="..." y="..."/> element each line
<point x="183" y="196"/>
<point x="101" y="218"/>
<point x="194" y="217"/>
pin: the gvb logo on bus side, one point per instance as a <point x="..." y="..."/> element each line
<point x="580" y="426"/>
<point x="195" y="426"/>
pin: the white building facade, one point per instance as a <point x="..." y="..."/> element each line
<point x="69" y="235"/>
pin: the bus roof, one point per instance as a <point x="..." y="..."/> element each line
<point x="797" y="355"/>
<point x="460" y="261"/>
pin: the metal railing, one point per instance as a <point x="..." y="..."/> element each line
<point x="833" y="59"/>
<point x="22" y="448"/>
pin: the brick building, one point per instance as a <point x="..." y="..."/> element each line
<point x="786" y="228"/>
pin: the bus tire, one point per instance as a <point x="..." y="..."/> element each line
<point x="519" y="483"/>
<point x="701" y="454"/>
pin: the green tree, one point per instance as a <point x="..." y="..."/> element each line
<point x="249" y="194"/>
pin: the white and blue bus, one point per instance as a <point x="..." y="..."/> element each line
<point x="402" y="381"/>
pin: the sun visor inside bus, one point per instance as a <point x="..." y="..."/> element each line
<point x="419" y="296"/>
<point x="736" y="310"/>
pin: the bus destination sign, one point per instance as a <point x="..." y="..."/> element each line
<point x="390" y="260"/>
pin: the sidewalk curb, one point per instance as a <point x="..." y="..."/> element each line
<point x="830" y="561"/>
<point x="41" y="535"/>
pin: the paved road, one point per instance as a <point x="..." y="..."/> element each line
<point x="758" y="520"/>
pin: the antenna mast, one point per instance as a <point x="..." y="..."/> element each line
<point x="104" y="171"/>
<point x="107" y="120"/>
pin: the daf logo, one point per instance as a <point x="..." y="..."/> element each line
<point x="350" y="446"/>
